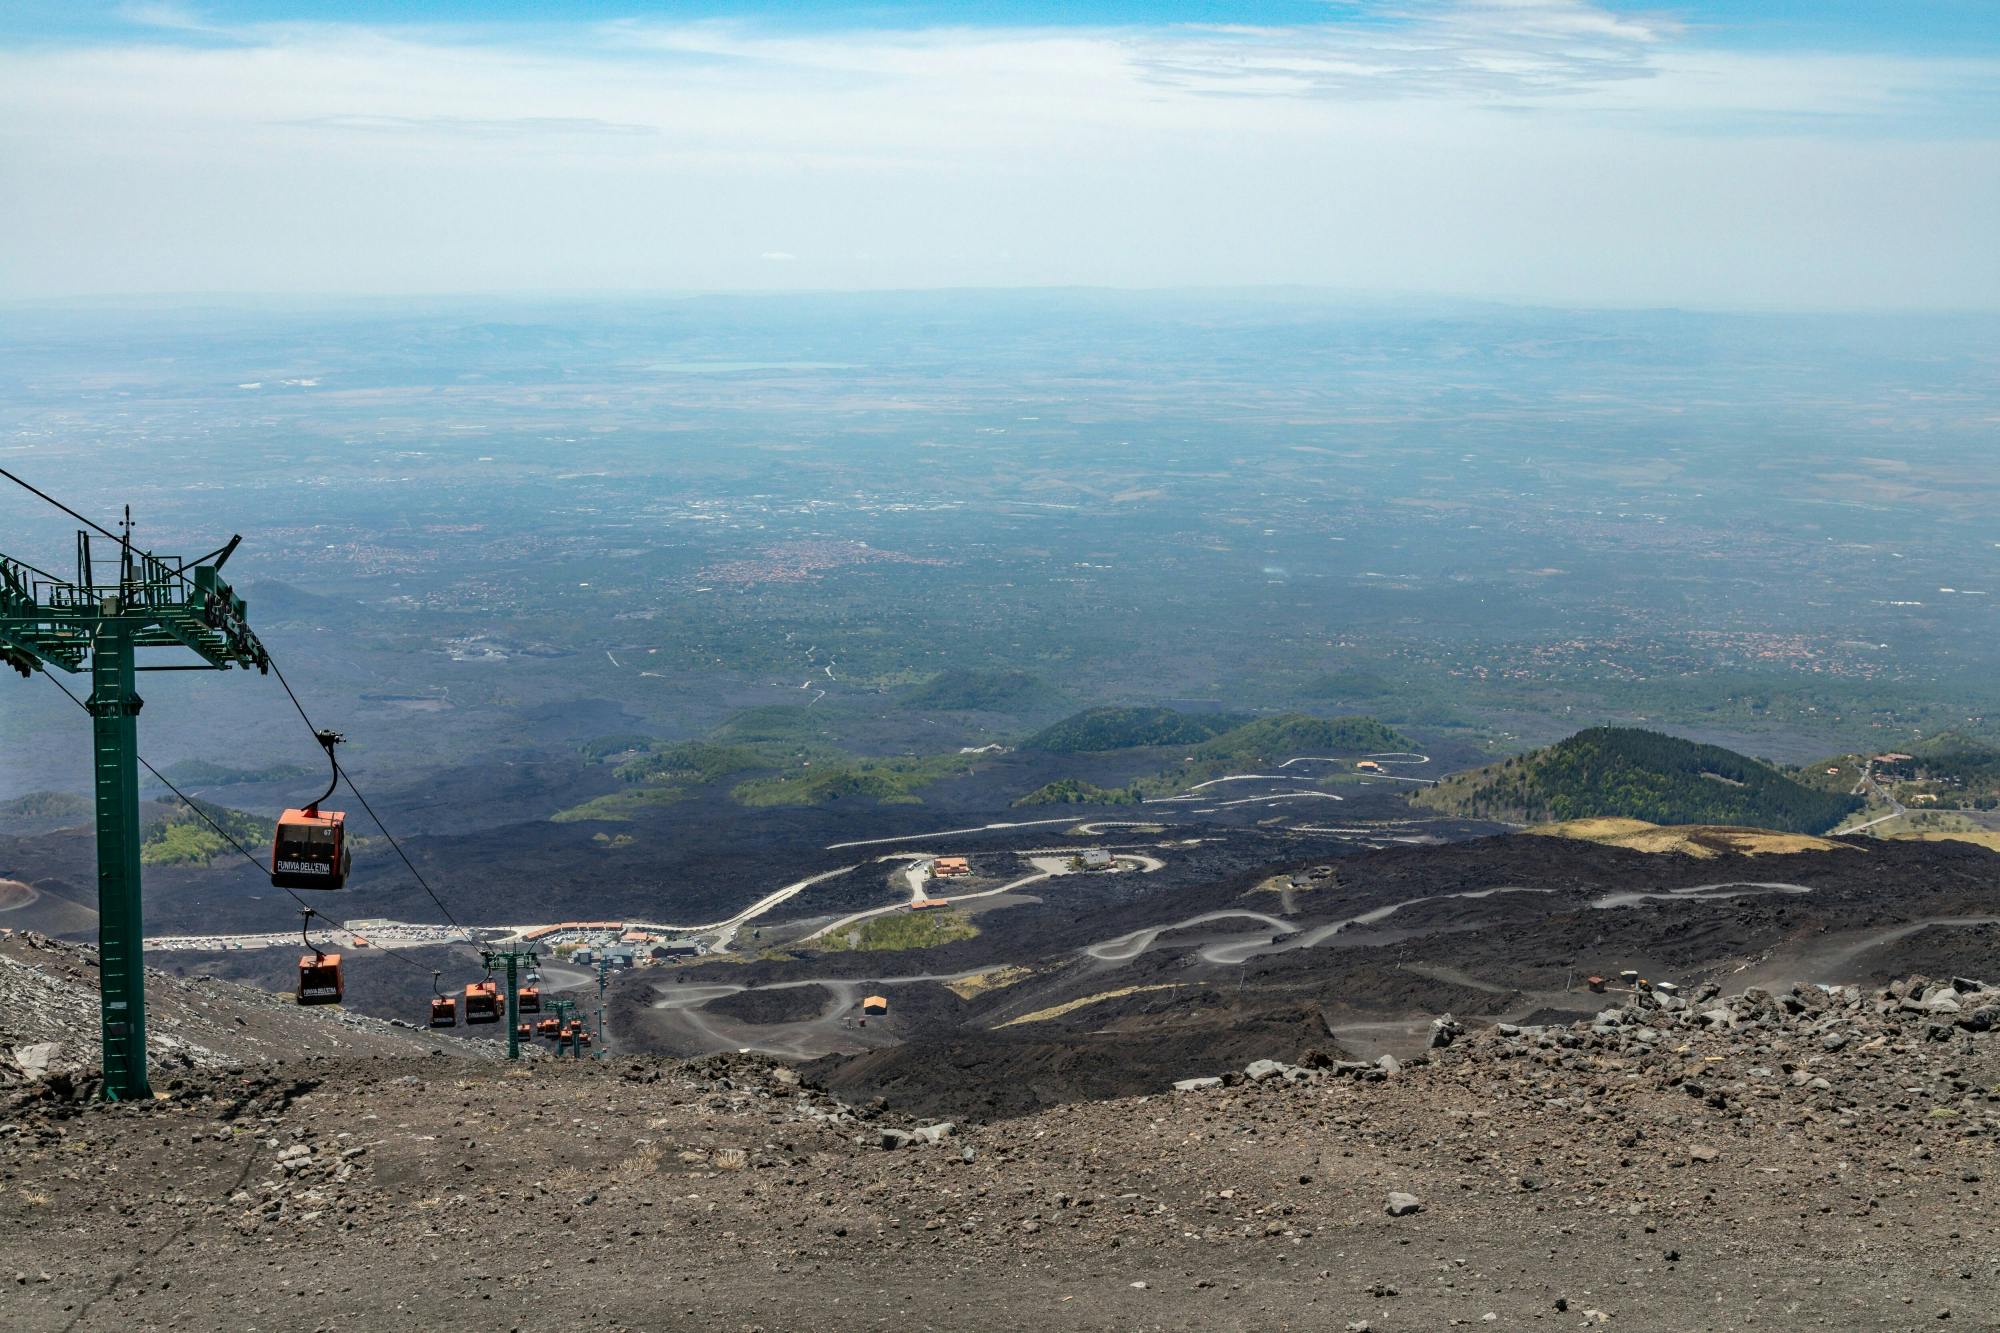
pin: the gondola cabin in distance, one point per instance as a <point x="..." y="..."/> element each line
<point x="309" y="850"/>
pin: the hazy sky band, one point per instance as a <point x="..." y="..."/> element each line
<point x="1834" y="155"/>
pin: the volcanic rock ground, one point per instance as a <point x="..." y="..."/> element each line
<point x="1792" y="1158"/>
<point x="1817" y="1152"/>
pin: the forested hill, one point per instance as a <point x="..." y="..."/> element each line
<point x="1099" y="729"/>
<point x="1617" y="771"/>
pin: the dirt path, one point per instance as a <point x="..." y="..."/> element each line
<point x="753" y="911"/>
<point x="1733" y="888"/>
<point x="1829" y="959"/>
<point x="1127" y="947"/>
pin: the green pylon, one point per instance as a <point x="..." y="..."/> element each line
<point x="121" y="929"/>
<point x="82" y="623"/>
<point x="495" y="958"/>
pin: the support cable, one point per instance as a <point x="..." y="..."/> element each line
<point x="348" y="778"/>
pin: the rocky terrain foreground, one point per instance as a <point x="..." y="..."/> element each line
<point x="1792" y="1157"/>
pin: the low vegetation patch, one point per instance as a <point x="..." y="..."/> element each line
<point x="887" y="781"/>
<point x="618" y="806"/>
<point x="1987" y="838"/>
<point x="1076" y="791"/>
<point x="979" y="983"/>
<point x="1071" y="1006"/>
<point x="898" y="930"/>
<point x="1698" y="840"/>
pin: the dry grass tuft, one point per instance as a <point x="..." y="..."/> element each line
<point x="1704" y="841"/>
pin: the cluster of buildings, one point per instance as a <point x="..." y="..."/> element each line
<point x="610" y="942"/>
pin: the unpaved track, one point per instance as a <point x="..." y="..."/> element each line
<point x="1829" y="959"/>
<point x="1729" y="888"/>
<point x="1125" y="948"/>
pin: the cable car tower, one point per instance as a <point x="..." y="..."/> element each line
<point x="101" y="625"/>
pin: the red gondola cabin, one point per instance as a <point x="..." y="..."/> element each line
<point x="310" y="850"/>
<point x="320" y="981"/>
<point x="483" y="1003"/>
<point x="528" y="999"/>
<point x="444" y="1012"/>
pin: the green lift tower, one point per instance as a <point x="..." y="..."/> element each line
<point x="511" y="959"/>
<point x="101" y="625"/>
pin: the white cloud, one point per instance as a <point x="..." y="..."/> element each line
<point x="159" y="14"/>
<point x="1542" y="148"/>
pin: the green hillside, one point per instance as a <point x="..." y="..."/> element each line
<point x="41" y="811"/>
<point x="1626" y="773"/>
<point x="1098" y="729"/>
<point x="181" y="837"/>
<point x="1289" y="735"/>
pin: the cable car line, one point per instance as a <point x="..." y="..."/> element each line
<point x="124" y="539"/>
<point x="317" y="855"/>
<point x="38" y="492"/>
<point x="340" y="774"/>
<point x="230" y="838"/>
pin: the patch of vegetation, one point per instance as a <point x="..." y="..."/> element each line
<point x="1986" y="838"/>
<point x="619" y="806"/>
<point x="1697" y="840"/>
<point x="979" y="983"/>
<point x="888" y="781"/>
<point x="788" y="726"/>
<point x="661" y="773"/>
<point x="899" y="930"/>
<point x="1098" y="729"/>
<point x="180" y="837"/>
<point x="1631" y="774"/>
<point x="691" y="763"/>
<point x="1071" y="1006"/>
<point x="1275" y="739"/>
<point x="981" y="691"/>
<point x="1076" y="791"/>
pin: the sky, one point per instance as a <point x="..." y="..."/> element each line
<point x="1765" y="154"/>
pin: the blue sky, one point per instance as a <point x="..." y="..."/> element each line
<point x="1879" y="25"/>
<point x="1772" y="153"/>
